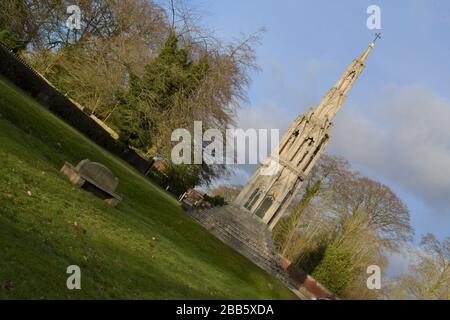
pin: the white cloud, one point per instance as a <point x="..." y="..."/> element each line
<point x="269" y="116"/>
<point x="400" y="262"/>
<point x="405" y="139"/>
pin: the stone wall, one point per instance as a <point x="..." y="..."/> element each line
<point x="304" y="280"/>
<point x="25" y="77"/>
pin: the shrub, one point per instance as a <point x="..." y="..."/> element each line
<point x="335" y="271"/>
<point x="11" y="40"/>
<point x="216" y="201"/>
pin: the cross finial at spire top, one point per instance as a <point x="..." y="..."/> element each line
<point x="377" y="36"/>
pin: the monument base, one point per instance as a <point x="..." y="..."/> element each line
<point x="248" y="236"/>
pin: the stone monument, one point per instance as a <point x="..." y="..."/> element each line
<point x="269" y="196"/>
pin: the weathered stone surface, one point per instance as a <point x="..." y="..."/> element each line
<point x="247" y="235"/>
<point x="98" y="173"/>
<point x="70" y="172"/>
<point x="95" y="178"/>
<point x="272" y="188"/>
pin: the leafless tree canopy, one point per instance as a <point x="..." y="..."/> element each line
<point x="343" y="209"/>
<point x="429" y="275"/>
<point x="119" y="37"/>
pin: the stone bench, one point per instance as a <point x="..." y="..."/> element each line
<point x="95" y="178"/>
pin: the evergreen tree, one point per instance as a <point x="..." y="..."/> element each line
<point x="11" y="40"/>
<point x="169" y="78"/>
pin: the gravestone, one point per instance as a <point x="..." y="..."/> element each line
<point x="95" y="178"/>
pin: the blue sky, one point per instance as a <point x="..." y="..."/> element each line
<point x="395" y="125"/>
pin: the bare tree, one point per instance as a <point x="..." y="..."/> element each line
<point x="296" y="232"/>
<point x="351" y="213"/>
<point x="362" y="203"/>
<point x="429" y="275"/>
<point x="117" y="40"/>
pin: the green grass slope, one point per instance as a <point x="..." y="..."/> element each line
<point x="145" y="248"/>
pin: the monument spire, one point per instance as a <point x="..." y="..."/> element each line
<point x="335" y="97"/>
<point x="269" y="196"/>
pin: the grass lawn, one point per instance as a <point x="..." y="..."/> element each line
<point x="145" y="248"/>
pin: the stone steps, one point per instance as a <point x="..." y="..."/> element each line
<point x="251" y="240"/>
<point x="242" y="232"/>
<point x="245" y="234"/>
